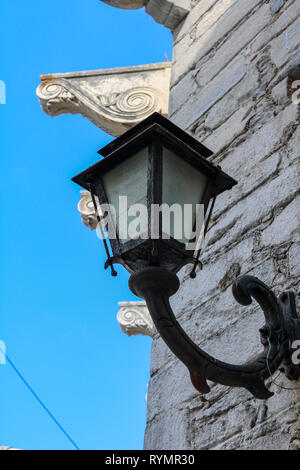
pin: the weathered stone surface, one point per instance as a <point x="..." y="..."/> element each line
<point x="198" y="32"/>
<point x="201" y="102"/>
<point x="184" y="88"/>
<point x="276" y="26"/>
<point x="276" y="5"/>
<point x="260" y="172"/>
<point x="282" y="398"/>
<point x="160" y="355"/>
<point x="271" y="437"/>
<point x="240" y="95"/>
<point x="247" y="214"/>
<point x="168" y="432"/>
<point x="228" y="343"/>
<point x="284" y="226"/>
<point x="294" y="260"/>
<point x="212" y="431"/>
<point x="291" y="151"/>
<point x="161" y="398"/>
<point x="263" y="155"/>
<point x="279" y="92"/>
<point x="209" y="31"/>
<point x="285" y="44"/>
<point x="227" y="132"/>
<point x="236" y="43"/>
<point x="200" y="8"/>
<point x="274" y="135"/>
<point x="219" y="401"/>
<point x="168" y="12"/>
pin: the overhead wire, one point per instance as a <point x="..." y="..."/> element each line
<point x="38" y="399"/>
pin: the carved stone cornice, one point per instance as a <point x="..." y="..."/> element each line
<point x="166" y="12"/>
<point x="126" y="4"/>
<point x="113" y="99"/>
<point x="134" y="319"/>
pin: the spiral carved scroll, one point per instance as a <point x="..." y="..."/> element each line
<point x="134" y="319"/>
<point x="134" y="104"/>
<point x="56" y="98"/>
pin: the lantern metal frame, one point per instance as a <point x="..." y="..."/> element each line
<point x="154" y="134"/>
<point x="156" y="283"/>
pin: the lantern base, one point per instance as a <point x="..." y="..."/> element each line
<point x="167" y="257"/>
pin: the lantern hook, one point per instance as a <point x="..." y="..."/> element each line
<point x="156" y="285"/>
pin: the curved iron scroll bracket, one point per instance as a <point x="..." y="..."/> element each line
<point x="156" y="285"/>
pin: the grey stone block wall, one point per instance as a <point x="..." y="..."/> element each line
<point x="230" y="85"/>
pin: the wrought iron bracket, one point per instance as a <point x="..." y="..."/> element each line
<point x="156" y="285"/>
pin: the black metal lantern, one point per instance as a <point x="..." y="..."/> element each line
<point x="161" y="167"/>
<point x="157" y="164"/>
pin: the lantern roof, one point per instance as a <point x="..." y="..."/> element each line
<point x="155" y="127"/>
<point x="155" y="118"/>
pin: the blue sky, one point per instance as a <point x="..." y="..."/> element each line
<point x="58" y="306"/>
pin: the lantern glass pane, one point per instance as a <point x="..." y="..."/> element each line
<point x="126" y="190"/>
<point x="183" y="188"/>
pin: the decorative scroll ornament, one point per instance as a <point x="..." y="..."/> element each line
<point x="57" y="98"/>
<point x="136" y="103"/>
<point x="87" y="211"/>
<point x="114" y="99"/>
<point x="134" y="319"/>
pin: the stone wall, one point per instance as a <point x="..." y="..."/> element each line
<point x="231" y="88"/>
